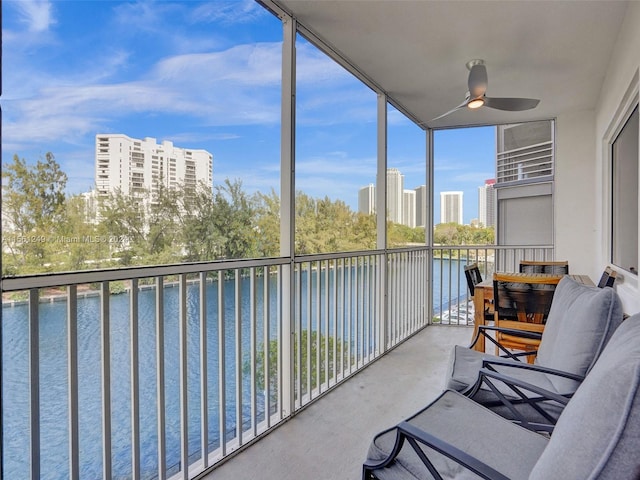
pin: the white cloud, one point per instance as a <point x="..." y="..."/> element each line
<point x="144" y="15"/>
<point x="36" y="15"/>
<point x="228" y="12"/>
<point x="315" y="68"/>
<point x="336" y="165"/>
<point x="243" y="65"/>
<point x="237" y="86"/>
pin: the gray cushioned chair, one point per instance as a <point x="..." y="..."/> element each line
<point x="581" y="321"/>
<point x="597" y="435"/>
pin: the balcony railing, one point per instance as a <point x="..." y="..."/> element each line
<point x="161" y="372"/>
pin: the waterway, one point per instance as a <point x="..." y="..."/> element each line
<point x="54" y="376"/>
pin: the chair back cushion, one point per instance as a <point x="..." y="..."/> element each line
<point x="581" y="321"/>
<point x="598" y="433"/>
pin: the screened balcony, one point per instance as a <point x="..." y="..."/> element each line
<point x="182" y="370"/>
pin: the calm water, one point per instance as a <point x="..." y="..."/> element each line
<point x="54" y="379"/>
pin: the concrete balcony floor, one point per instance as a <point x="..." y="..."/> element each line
<point x="329" y="439"/>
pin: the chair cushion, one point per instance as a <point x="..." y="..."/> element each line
<point x="581" y="321"/>
<point x="598" y="434"/>
<point x="464" y="424"/>
<point x="464" y="364"/>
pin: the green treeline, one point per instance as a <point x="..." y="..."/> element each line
<point x="45" y="230"/>
<point x="456" y="234"/>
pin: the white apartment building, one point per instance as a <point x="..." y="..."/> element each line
<point x="132" y="165"/>
<point x="451" y="207"/>
<point x="409" y="208"/>
<point x="367" y="199"/>
<point x="421" y="205"/>
<point x="395" y="193"/>
<point x="406" y="207"/>
<point x="487" y="204"/>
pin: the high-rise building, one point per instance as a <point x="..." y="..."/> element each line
<point x="409" y="208"/>
<point x="406" y="207"/>
<point x="421" y="206"/>
<point x="451" y="207"/>
<point x="395" y="192"/>
<point x="367" y="199"/>
<point x="134" y="166"/>
<point x="487" y="204"/>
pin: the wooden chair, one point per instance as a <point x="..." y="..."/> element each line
<point x="473" y="275"/>
<point x="608" y="278"/>
<point x="530" y="266"/>
<point x="522" y="303"/>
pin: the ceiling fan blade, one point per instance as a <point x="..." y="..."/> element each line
<point x="477" y="80"/>
<point x="511" y="104"/>
<point x="462" y="105"/>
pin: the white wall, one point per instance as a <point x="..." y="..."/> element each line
<point x="576" y="223"/>
<point x="622" y="78"/>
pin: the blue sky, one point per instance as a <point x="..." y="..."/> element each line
<point x="205" y="75"/>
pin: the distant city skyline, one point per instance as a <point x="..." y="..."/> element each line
<point x="410" y="208"/>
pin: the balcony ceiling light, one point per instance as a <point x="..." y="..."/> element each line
<point x="476" y="103"/>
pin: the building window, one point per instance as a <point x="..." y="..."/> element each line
<point x="524" y="183"/>
<point x="525" y="153"/>
<point x="624" y="196"/>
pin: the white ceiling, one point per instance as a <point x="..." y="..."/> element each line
<point x="416" y="51"/>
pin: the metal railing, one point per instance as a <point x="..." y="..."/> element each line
<point x="161" y="372"/>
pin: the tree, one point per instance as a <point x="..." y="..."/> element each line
<point x="201" y="239"/>
<point x="33" y="206"/>
<point x="456" y="234"/>
<point x="77" y="245"/>
<point x="143" y="228"/>
<point x="335" y="223"/>
<point x="400" y="235"/>
<point x="364" y="230"/>
<point x="123" y="217"/>
<point x="233" y="220"/>
<point x="267" y="223"/>
<point x="162" y="228"/>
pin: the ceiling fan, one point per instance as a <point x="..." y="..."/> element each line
<point x="476" y="98"/>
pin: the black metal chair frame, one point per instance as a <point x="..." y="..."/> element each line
<point x="485" y="329"/>
<point x="488" y="373"/>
